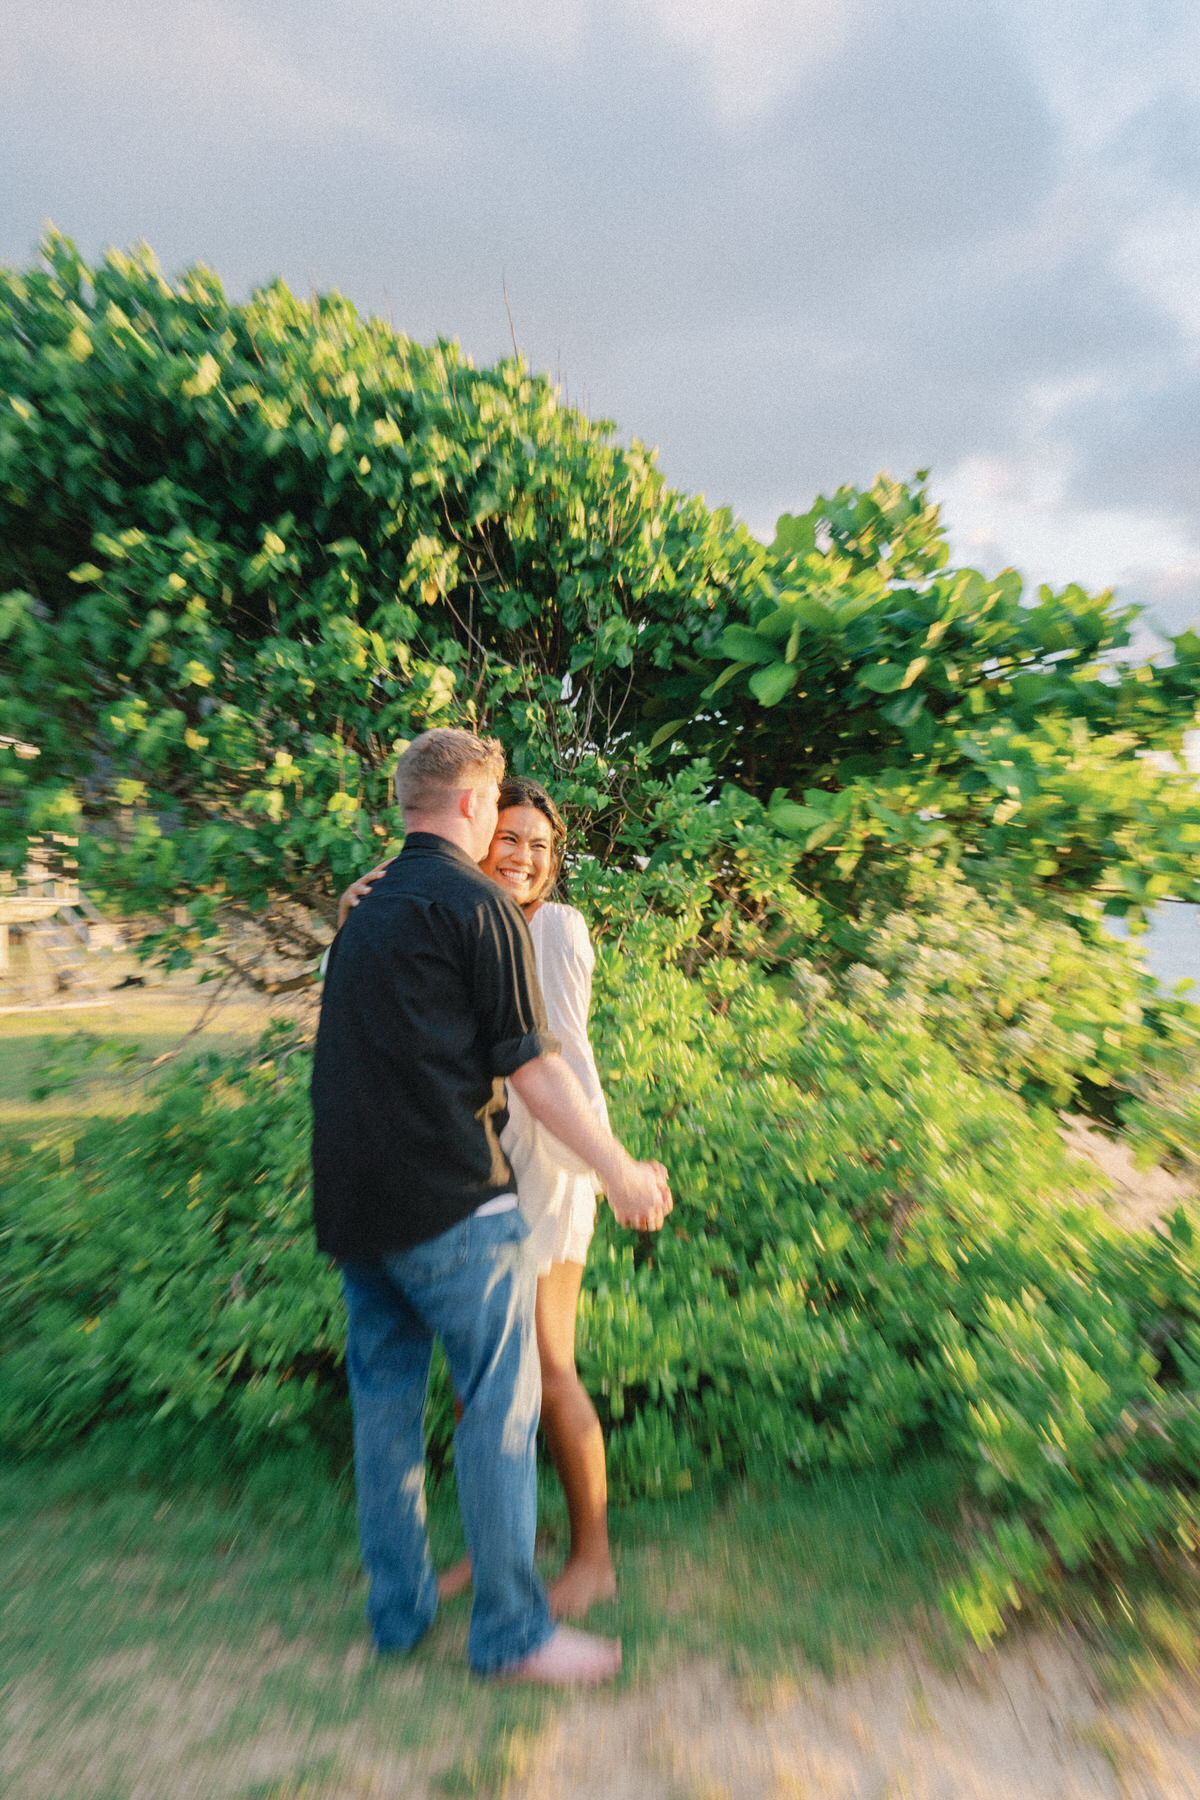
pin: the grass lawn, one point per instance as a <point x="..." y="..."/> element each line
<point x="137" y="1030"/>
<point x="204" y="1636"/>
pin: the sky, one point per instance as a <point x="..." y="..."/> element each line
<point x="788" y="242"/>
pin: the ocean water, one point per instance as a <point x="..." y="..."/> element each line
<point x="1171" y="945"/>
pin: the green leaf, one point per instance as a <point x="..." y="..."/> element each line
<point x="666" y="731"/>
<point x="726" y="675"/>
<point x="905" y="710"/>
<point x="770" y="685"/>
<point x="813" y="610"/>
<point x="1018" y="780"/>
<point x="485" y="504"/>
<point x="744" y="645"/>
<point x="881" y="678"/>
<point x="795" y="535"/>
<point x="778" y="624"/>
<point x="919" y="729"/>
<point x="790" y="817"/>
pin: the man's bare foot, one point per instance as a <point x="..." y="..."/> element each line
<point x="580" y="1586"/>
<point x="454" y="1580"/>
<point x="568" y="1658"/>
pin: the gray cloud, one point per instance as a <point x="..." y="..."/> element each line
<point x="611" y="165"/>
<point x="1163" y="140"/>
<point x="905" y="249"/>
<point x="1170" y="598"/>
<point x="1142" y="448"/>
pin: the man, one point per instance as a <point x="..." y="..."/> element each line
<point x="431" y="1002"/>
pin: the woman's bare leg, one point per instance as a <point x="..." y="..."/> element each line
<point x="576" y="1445"/>
<point x="458" y="1576"/>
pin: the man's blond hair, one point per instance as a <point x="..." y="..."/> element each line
<point x="439" y="763"/>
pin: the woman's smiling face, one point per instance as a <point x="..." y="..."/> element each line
<point x="521" y="856"/>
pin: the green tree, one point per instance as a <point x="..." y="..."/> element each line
<point x="247" y="549"/>
<point x="856" y="814"/>
<point x="879" y="700"/>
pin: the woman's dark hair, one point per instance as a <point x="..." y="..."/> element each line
<point x="519" y="790"/>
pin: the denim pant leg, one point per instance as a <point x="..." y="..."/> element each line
<point x="388" y="1348"/>
<point x="474" y="1286"/>
<point x="491" y="1347"/>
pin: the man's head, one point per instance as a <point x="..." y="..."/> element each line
<point x="447" y="781"/>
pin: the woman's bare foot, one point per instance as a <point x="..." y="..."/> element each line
<point x="568" y="1658"/>
<point x="580" y="1586"/>
<point x="454" y="1580"/>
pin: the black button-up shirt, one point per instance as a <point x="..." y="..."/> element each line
<point x="431" y="998"/>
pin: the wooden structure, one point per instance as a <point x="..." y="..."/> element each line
<point x="60" y="928"/>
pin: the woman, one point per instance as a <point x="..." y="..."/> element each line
<point x="557" y="1194"/>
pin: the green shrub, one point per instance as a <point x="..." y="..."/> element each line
<point x="1161" y="1113"/>
<point x="835" y="1182"/>
<point x="1082" y="1415"/>
<point x="1047" y="1005"/>
<point x="163" y="1262"/>
<point x="872" y="1247"/>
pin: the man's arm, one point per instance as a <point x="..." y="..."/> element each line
<point x="637" y="1191"/>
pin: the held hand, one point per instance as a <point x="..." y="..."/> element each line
<point x="356" y="890"/>
<point x="641" y="1198"/>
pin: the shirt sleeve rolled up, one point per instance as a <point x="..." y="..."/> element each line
<point x="508" y="995"/>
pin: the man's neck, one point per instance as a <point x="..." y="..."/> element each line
<point x="456" y="830"/>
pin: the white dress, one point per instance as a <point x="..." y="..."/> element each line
<point x="556" y="1192"/>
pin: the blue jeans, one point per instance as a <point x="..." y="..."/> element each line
<point x="473" y="1287"/>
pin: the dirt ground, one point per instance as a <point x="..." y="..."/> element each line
<point x="1024" y="1723"/>
<point x="1138" y="1197"/>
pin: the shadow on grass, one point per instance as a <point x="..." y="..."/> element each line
<point x="199" y="1613"/>
<point x="173" y="1623"/>
<point x="198" y="1629"/>
<point x="831" y="1569"/>
<point x="97" y="1538"/>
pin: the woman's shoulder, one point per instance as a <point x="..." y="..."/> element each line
<point x="563" y="926"/>
<point x="562" y="916"/>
